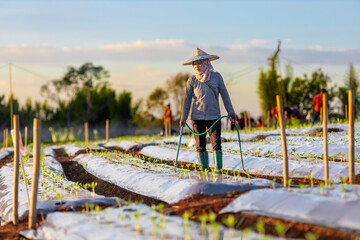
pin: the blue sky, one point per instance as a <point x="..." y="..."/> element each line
<point x="143" y="43"/>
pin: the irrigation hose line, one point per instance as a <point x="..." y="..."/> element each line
<point x="181" y="132"/>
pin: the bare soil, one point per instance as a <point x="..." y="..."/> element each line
<point x="6" y="160"/>
<point x="76" y="173"/>
<point x="319" y="132"/>
<point x="9" y="231"/>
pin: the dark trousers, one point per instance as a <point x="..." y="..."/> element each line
<point x="315" y="117"/>
<point x="201" y="126"/>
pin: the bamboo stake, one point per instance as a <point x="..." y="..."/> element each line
<point x="16" y="170"/>
<point x="26" y="138"/>
<point x="86" y="125"/>
<point x="107" y="130"/>
<point x="283" y="138"/>
<point x="325" y="130"/>
<point x="36" y="170"/>
<point x="351" y="137"/>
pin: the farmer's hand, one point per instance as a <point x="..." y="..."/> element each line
<point x="182" y="123"/>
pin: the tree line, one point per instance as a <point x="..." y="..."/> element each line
<point x="84" y="95"/>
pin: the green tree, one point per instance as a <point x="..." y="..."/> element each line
<point x="267" y="90"/>
<point x="75" y="79"/>
<point x="351" y="83"/>
<point x="176" y="89"/>
<point x="156" y="100"/>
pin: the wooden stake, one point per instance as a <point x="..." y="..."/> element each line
<point x="321" y="113"/>
<point x="325" y="130"/>
<point x="16" y="170"/>
<point x="6" y="138"/>
<point x="26" y="138"/>
<point x="351" y="137"/>
<point x="268" y="119"/>
<point x="11" y="99"/>
<point x="107" y="130"/>
<point x="346" y="112"/>
<point x="283" y="138"/>
<point x="249" y="119"/>
<point x="86" y="125"/>
<point x="245" y="119"/>
<point x="36" y="170"/>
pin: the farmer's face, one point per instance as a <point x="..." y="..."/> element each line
<point x="198" y="66"/>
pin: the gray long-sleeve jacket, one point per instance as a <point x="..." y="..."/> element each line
<point x="205" y="104"/>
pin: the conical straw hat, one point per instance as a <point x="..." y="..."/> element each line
<point x="199" y="55"/>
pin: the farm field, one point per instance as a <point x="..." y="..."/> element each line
<point x="128" y="188"/>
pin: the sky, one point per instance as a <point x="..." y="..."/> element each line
<point x="144" y="43"/>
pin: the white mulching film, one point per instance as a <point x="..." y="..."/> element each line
<point x="52" y="186"/>
<point x="256" y="165"/>
<point x="337" y="207"/>
<point x="160" y="181"/>
<point x="3" y="154"/>
<point x="74" y="149"/>
<point x="129" y="222"/>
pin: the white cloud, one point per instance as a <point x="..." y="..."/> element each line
<point x="258" y="42"/>
<point x="175" y="51"/>
<point x="316" y="48"/>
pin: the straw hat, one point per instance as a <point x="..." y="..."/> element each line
<point x="199" y="55"/>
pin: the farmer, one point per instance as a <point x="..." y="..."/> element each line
<point x="317" y="103"/>
<point x="203" y="90"/>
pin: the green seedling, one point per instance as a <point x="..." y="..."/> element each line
<point x="311" y="236"/>
<point x="281" y="230"/>
<point x="311" y="180"/>
<point x="273" y="183"/>
<point x="229" y="221"/>
<point x="203" y="219"/>
<point x="260" y="227"/>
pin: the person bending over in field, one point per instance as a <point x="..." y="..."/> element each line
<point x="203" y="91"/>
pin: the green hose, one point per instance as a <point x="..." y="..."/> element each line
<point x="237" y="129"/>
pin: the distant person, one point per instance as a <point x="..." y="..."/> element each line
<point x="168" y="120"/>
<point x="295" y="113"/>
<point x="259" y="123"/>
<point x="242" y="121"/>
<point x="232" y="123"/>
<point x="203" y="89"/>
<point x="275" y="114"/>
<point x="317" y="103"/>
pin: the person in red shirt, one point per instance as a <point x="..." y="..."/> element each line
<point x="317" y="103"/>
<point x="168" y="120"/>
